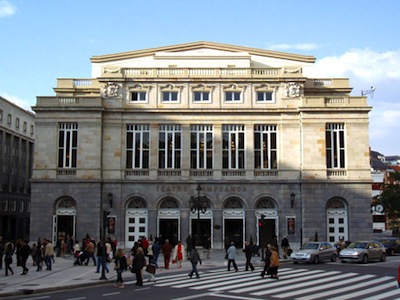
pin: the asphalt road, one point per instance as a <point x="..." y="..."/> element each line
<point x="297" y="281"/>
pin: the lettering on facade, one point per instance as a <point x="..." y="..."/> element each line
<point x="208" y="189"/>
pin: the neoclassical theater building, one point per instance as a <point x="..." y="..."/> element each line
<point x="204" y="139"/>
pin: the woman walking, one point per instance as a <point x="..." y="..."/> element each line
<point x="139" y="261"/>
<point x="120" y="267"/>
<point x="274" y="263"/>
<point x="8" y="258"/>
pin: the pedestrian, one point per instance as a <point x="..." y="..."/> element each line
<point x="2" y="250"/>
<point x="39" y="255"/>
<point x="189" y="245"/>
<point x="166" y="251"/>
<point x="77" y="254"/>
<point x="156" y="251"/>
<point x="139" y="261"/>
<point x="267" y="261"/>
<point x="9" y="251"/>
<point x="275" y="244"/>
<point x="248" y="251"/>
<point x="100" y="262"/>
<point x="89" y="252"/>
<point x="194" y="259"/>
<point x="231" y="252"/>
<point x="285" y="247"/>
<point x="208" y="246"/>
<point x="274" y="263"/>
<point x="120" y="267"/>
<point x="179" y="254"/>
<point x="151" y="266"/>
<point x="48" y="254"/>
<point x="24" y="253"/>
<point x="34" y="251"/>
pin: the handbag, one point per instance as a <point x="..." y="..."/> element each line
<point x="151" y="269"/>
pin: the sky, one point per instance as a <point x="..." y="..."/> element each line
<point x="42" y="40"/>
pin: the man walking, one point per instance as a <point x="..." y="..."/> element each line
<point x="231" y="257"/>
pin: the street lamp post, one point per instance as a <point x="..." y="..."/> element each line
<point x="198" y="204"/>
<point x="103" y="226"/>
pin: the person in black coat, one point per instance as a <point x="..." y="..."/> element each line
<point x="248" y="251"/>
<point x="267" y="261"/>
<point x="139" y="261"/>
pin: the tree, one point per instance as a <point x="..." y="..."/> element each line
<point x="390" y="198"/>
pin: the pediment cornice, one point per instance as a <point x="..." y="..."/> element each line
<point x="202" y="45"/>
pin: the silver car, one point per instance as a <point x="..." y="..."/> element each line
<point x="363" y="251"/>
<point x="314" y="252"/>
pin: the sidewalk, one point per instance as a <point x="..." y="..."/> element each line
<point x="65" y="275"/>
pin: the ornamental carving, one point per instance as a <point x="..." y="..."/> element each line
<point x="110" y="90"/>
<point x="292" y="89"/>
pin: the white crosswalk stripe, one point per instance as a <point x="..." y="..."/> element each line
<point x="300" y="284"/>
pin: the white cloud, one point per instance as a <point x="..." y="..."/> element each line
<point x="6" y="9"/>
<point x="365" y="64"/>
<point x="17" y="101"/>
<point x="305" y="46"/>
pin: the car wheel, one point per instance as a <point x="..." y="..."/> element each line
<point x="383" y="257"/>
<point x="295" y="262"/>
<point x="365" y="259"/>
<point x="343" y="261"/>
<point x="316" y="259"/>
<point x="333" y="258"/>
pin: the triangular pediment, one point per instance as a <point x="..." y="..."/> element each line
<point x="205" y="49"/>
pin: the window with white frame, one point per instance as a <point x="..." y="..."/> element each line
<point x="335" y="146"/>
<point x="137" y="146"/>
<point x="169" y="96"/>
<point x="231" y="96"/>
<point x="137" y="96"/>
<point x="201" y="146"/>
<point x="265" y="148"/>
<point x="233" y="146"/>
<point x="169" y="147"/>
<point x="201" y="96"/>
<point x="67" y="145"/>
<point x="265" y="96"/>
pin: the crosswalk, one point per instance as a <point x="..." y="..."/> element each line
<point x="301" y="284"/>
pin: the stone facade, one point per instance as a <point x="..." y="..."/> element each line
<point x="247" y="199"/>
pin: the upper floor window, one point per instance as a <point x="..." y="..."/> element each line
<point x="201" y="96"/>
<point x="138" y="97"/>
<point x="265" y="148"/>
<point x="17" y="123"/>
<point x="9" y="119"/>
<point x="67" y="145"/>
<point x="233" y="96"/>
<point x="137" y="146"/>
<point x="170" y="96"/>
<point x="335" y="146"/>
<point x="233" y="146"/>
<point x="201" y="146"/>
<point x="169" y="147"/>
<point x="1" y="115"/>
<point x="264" y="97"/>
<point x="25" y="126"/>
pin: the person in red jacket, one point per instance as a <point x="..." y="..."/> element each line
<point x="166" y="250"/>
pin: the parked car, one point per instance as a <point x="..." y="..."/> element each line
<point x="363" y="251"/>
<point x="314" y="252"/>
<point x="392" y="245"/>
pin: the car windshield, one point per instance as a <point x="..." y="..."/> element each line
<point x="310" y="246"/>
<point x="357" y="245"/>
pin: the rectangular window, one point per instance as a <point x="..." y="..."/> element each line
<point x="137" y="146"/>
<point x="32" y="129"/>
<point x="138" y="96"/>
<point x="169" y="147"/>
<point x="1" y="115"/>
<point x="17" y="123"/>
<point x="25" y="128"/>
<point x="232" y="96"/>
<point x="264" y="97"/>
<point x="201" y="146"/>
<point x="335" y="146"/>
<point x="201" y="96"/>
<point x="67" y="145"/>
<point x="265" y="148"/>
<point x="9" y="119"/>
<point x="169" y="96"/>
<point x="233" y="147"/>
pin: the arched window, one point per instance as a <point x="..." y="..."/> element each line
<point x="336" y="203"/>
<point x="234" y="203"/>
<point x="265" y="203"/>
<point x="169" y="203"/>
<point x="66" y="202"/>
<point x="137" y="202"/>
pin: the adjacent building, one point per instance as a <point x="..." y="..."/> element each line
<point x="202" y="139"/>
<point x="17" y="132"/>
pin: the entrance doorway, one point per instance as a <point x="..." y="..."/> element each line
<point x="205" y="231"/>
<point x="267" y="232"/>
<point x="233" y="232"/>
<point x="65" y="224"/>
<point x="168" y="229"/>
